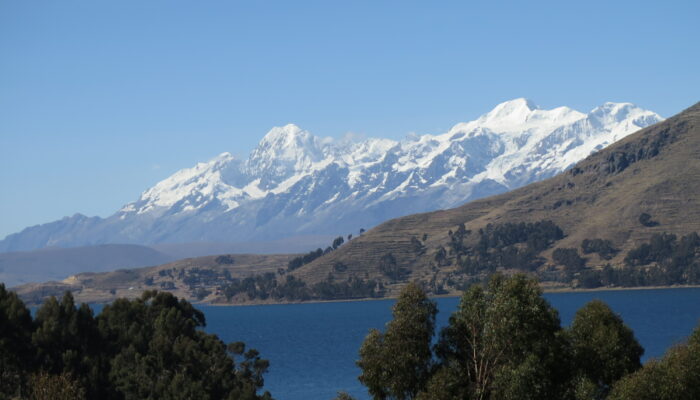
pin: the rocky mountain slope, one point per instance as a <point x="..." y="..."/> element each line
<point x="295" y="183"/>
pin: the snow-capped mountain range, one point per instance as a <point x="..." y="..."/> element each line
<point x="295" y="183"/>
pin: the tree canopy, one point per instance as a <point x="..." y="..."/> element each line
<point x="604" y="348"/>
<point x="505" y="341"/>
<point x="396" y="364"/>
<point x="148" y="348"/>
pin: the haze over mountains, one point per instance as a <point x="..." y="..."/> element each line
<point x="295" y="183"/>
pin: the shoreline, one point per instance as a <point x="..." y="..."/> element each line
<point x="451" y="295"/>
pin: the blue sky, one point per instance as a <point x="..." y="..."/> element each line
<point x="100" y="100"/>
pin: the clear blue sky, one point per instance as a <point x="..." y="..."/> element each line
<point x="99" y="100"/>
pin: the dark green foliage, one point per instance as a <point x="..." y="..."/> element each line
<point x="340" y="267"/>
<point x="67" y="341"/>
<point x="343" y="396"/>
<point x="292" y="289"/>
<point x="660" y="247"/>
<point x="663" y="261"/>
<point x="148" y="348"/>
<point x="201" y="277"/>
<point x="259" y="286"/>
<point x="353" y="288"/>
<point x="397" y="363"/>
<point x="16" y="352"/>
<point x="604" y="348"/>
<point x="391" y="269"/>
<point x="337" y="242"/>
<point x="300" y="261"/>
<point x="673" y="261"/>
<point x="569" y="258"/>
<point x="201" y="293"/>
<point x="158" y="352"/>
<point x="266" y="286"/>
<point x="441" y="257"/>
<point x="456" y="239"/>
<point x="674" y="377"/>
<point x="590" y="279"/>
<point x="417" y="246"/>
<point x="604" y="248"/>
<point x="305" y="259"/>
<point x="503" y="342"/>
<point x="510" y="246"/>
<point x="645" y="219"/>
<point x="225" y="259"/>
<point x="538" y="236"/>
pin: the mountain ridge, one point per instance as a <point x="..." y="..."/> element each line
<point x="654" y="171"/>
<point x="295" y="183"/>
<point x="627" y="216"/>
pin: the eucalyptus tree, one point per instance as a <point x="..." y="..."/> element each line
<point x="603" y="348"/>
<point x="676" y="376"/>
<point x="397" y="363"/>
<point x="503" y="342"/>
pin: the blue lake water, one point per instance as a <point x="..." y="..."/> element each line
<point x="312" y="348"/>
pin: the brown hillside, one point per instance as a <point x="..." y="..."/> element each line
<point x="654" y="171"/>
<point x="196" y="279"/>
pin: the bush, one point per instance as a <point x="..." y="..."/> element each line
<point x="569" y="258"/>
<point x="225" y="259"/>
<point x="604" y="248"/>
<point x="645" y="219"/>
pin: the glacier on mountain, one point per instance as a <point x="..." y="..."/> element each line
<point x="295" y="183"/>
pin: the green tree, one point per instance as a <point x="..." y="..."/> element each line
<point x="396" y="364"/>
<point x="337" y="242"/>
<point x="503" y="342"/>
<point x="16" y="353"/>
<point x="569" y="258"/>
<point x="158" y="352"/>
<point x="67" y="341"/>
<point x="604" y="349"/>
<point x="675" y="377"/>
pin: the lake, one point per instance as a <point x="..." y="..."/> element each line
<point x="312" y="348"/>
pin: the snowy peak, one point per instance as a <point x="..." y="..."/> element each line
<point x="514" y="143"/>
<point x="289" y="143"/>
<point x="508" y="115"/>
<point x="295" y="183"/>
<point x="518" y="117"/>
<point x="204" y="181"/>
<point x="282" y="152"/>
<point x="288" y="135"/>
<point x="513" y="111"/>
<point x="615" y="113"/>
